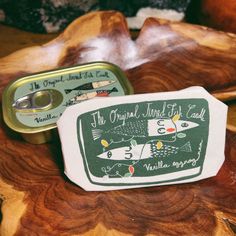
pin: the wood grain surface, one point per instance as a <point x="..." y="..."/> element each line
<point x="37" y="198"/>
<point x="13" y="39"/>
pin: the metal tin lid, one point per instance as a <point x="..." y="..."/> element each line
<point x="34" y="103"/>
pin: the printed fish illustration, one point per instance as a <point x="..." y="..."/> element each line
<point x="91" y="85"/>
<point x="147" y="128"/>
<point x="98" y="93"/>
<point x="144" y="151"/>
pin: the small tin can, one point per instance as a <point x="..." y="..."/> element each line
<point x="33" y="104"/>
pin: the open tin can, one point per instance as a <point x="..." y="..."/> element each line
<point x="33" y="104"/>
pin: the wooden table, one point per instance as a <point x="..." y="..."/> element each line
<point x="37" y="198"/>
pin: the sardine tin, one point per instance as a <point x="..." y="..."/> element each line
<point x="33" y="104"/>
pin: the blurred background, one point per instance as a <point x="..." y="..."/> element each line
<point x="25" y="22"/>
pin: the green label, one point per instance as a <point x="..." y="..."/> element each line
<point x="72" y="88"/>
<point x="144" y="143"/>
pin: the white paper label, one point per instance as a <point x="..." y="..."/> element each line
<point x="143" y="140"/>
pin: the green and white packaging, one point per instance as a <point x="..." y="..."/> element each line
<point x="143" y="140"/>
